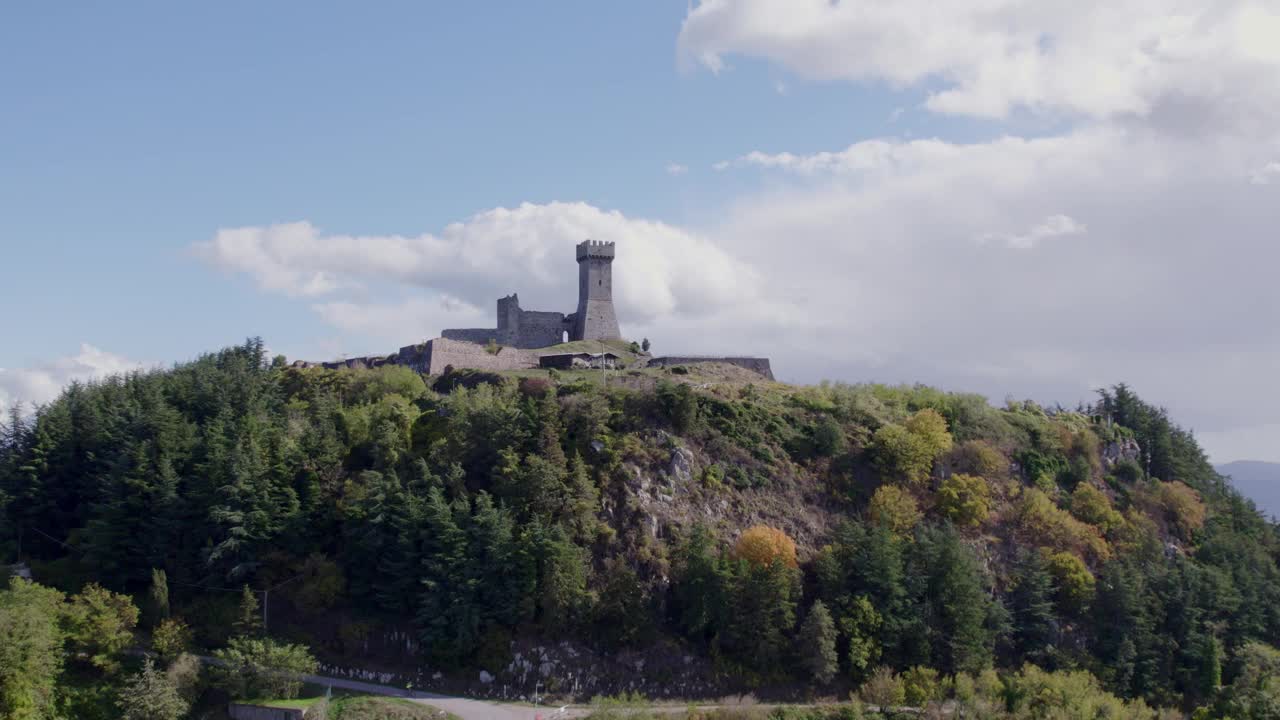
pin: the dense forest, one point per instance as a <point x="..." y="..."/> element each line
<point x="826" y="539"/>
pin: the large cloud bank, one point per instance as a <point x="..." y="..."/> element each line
<point x="1136" y="241"/>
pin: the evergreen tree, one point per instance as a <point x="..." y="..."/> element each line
<point x="157" y="598"/>
<point x="448" y="624"/>
<point x="248" y="621"/>
<point x="101" y="626"/>
<point x="1035" y="623"/>
<point x="622" y="615"/>
<point x="956" y="603"/>
<point x="1123" y="625"/>
<point x="816" y="645"/>
<point x="701" y="585"/>
<point x="151" y="695"/>
<point x="32" y="633"/>
<point x="563" y="596"/>
<point x="763" y="614"/>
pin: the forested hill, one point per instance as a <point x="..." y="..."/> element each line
<point x="773" y="536"/>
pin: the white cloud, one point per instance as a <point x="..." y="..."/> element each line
<point x="1169" y="289"/>
<point x="396" y="322"/>
<point x="1265" y="174"/>
<point x="43" y="382"/>
<point x="860" y="158"/>
<point x="674" y="168"/>
<point x="1052" y="226"/>
<point x="860" y="263"/>
<point x="662" y="271"/>
<point x="1096" y="58"/>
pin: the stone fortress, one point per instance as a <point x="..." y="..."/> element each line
<point x="523" y="338"/>
<point x="594" y="319"/>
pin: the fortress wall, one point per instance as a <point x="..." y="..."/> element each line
<point x="540" y="329"/>
<point x="480" y="336"/>
<point x="415" y="357"/>
<point x="442" y="352"/>
<point x="754" y="364"/>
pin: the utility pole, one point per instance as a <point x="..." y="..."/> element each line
<point x="267" y="592"/>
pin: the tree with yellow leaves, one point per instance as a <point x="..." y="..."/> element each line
<point x="894" y="509"/>
<point x="965" y="499"/>
<point x="910" y="449"/>
<point x="761" y="545"/>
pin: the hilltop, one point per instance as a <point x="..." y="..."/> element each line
<point x="681" y="531"/>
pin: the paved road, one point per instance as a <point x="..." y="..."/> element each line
<point x="465" y="708"/>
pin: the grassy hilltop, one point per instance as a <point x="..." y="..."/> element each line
<point x="684" y="532"/>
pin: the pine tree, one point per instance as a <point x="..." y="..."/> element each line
<point x="960" y="601"/>
<point x="763" y="611"/>
<point x="448" y="625"/>
<point x="563" y="597"/>
<point x="817" y="644"/>
<point x="151" y="695"/>
<point x="1035" y="624"/>
<point x="248" y="621"/>
<point x="501" y="590"/>
<point x="584" y="500"/>
<point x="701" y="586"/>
<point x="157" y="598"/>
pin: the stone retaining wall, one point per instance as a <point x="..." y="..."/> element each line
<point x="239" y="711"/>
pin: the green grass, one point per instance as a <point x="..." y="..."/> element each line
<point x="367" y="707"/>
<point x="622" y="348"/>
<point x="295" y="704"/>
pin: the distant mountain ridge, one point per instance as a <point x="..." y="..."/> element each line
<point x="1257" y="480"/>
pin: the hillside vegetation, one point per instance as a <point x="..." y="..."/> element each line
<point x="822" y="539"/>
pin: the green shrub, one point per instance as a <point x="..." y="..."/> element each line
<point x="884" y="689"/>
<point x="921" y="686"/>
<point x="894" y="509"/>
<point x="965" y="499"/>
<point x="1091" y="505"/>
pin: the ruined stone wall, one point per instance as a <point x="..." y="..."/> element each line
<point x="442" y="352"/>
<point x="415" y="357"/>
<point x="754" y="364"/>
<point x="480" y="336"/>
<point x="540" y="329"/>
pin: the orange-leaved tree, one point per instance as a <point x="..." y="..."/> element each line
<point x="761" y="545"/>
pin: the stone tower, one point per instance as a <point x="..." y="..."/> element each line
<point x="595" y="319"/>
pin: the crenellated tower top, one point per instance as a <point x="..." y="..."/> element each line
<point x="600" y="249"/>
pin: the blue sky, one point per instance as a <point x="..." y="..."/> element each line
<point x="135" y="129"/>
<point x="886" y="179"/>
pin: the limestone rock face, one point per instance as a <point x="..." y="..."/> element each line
<point x="681" y="466"/>
<point x="1115" y="452"/>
